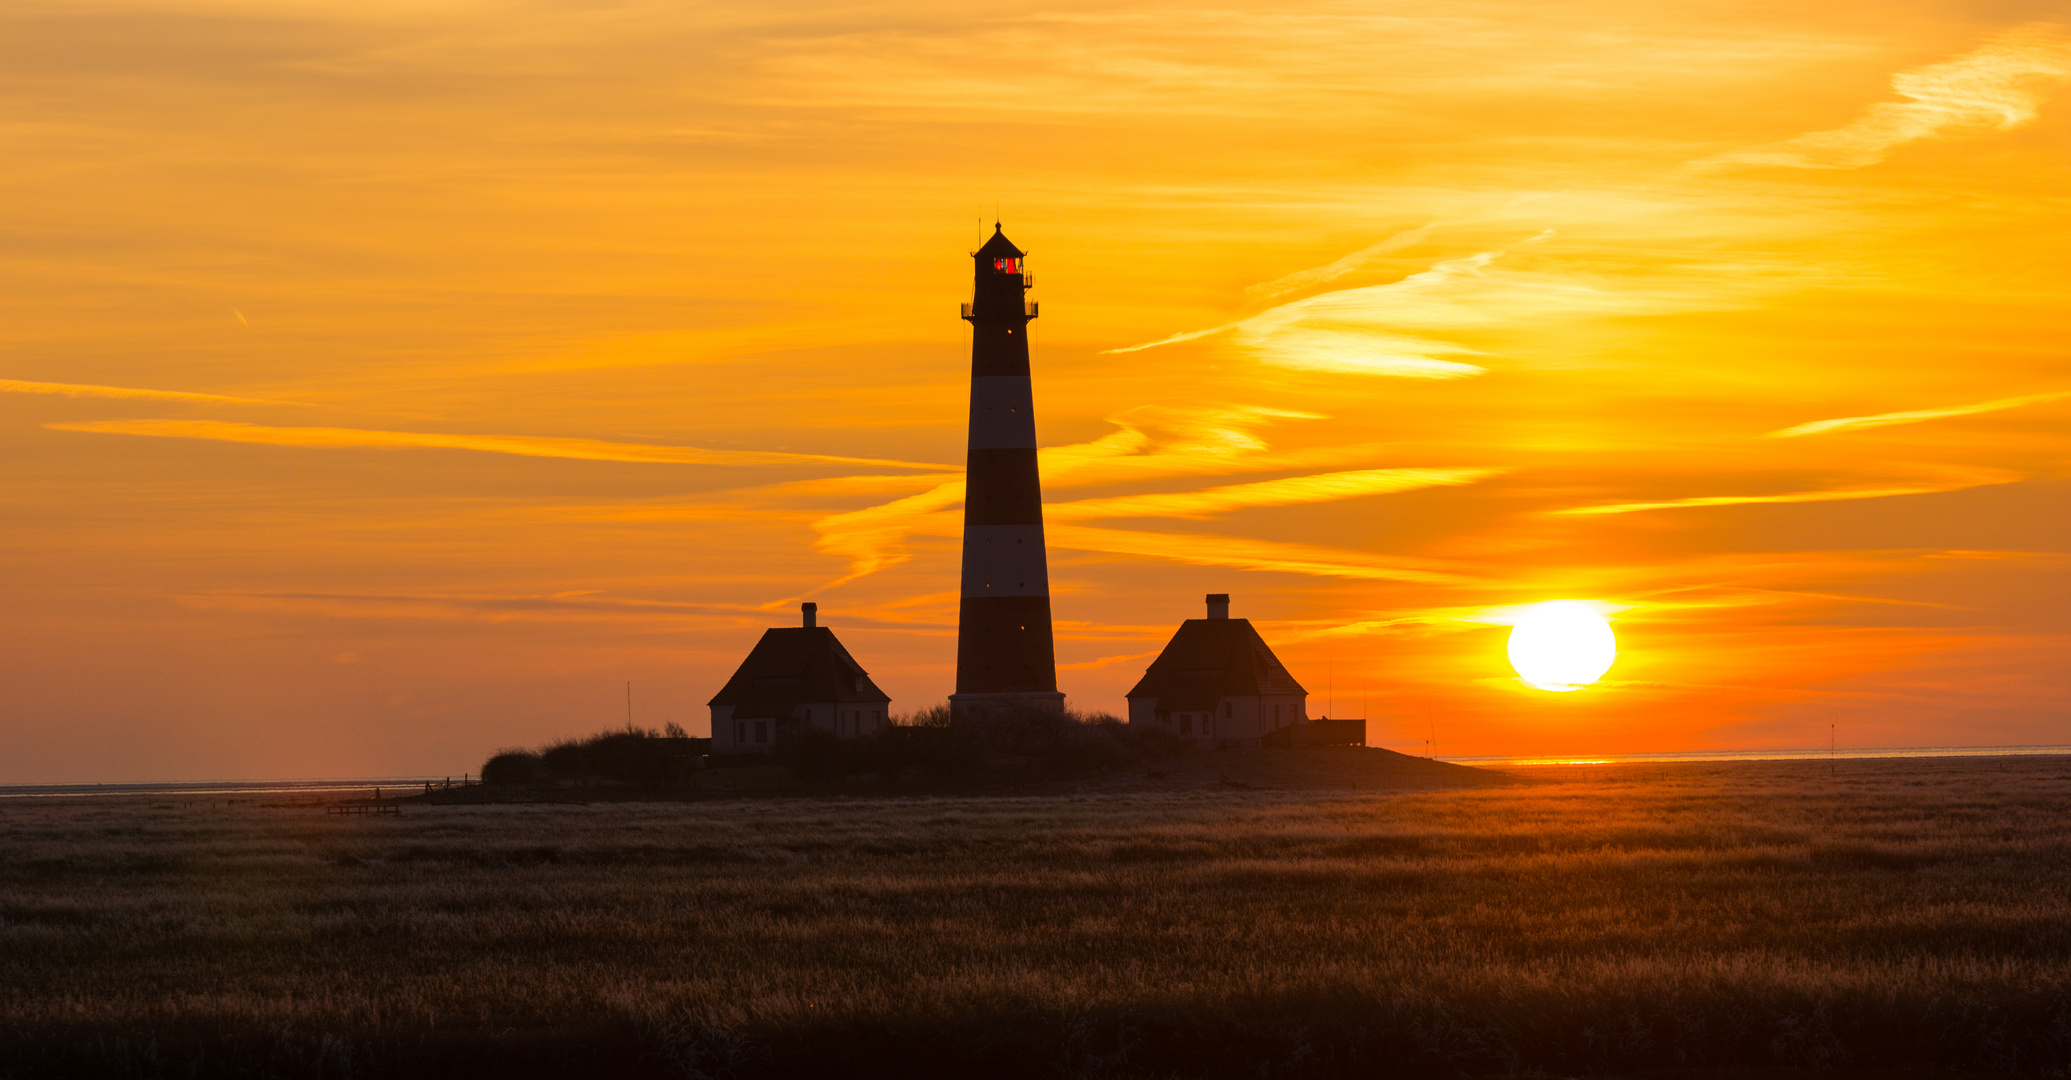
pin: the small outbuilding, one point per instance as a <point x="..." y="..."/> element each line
<point x="1218" y="683"/>
<point x="797" y="678"/>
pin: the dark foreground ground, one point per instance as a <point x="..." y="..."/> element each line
<point x="1715" y="920"/>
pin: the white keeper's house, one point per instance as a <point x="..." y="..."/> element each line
<point x="797" y="678"/>
<point x="1219" y="684"/>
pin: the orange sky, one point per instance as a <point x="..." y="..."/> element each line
<point x="383" y="383"/>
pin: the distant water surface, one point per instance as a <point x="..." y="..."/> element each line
<point x="390" y="785"/>
<point x="1820" y="754"/>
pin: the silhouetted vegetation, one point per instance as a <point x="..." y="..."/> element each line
<point x="1000" y="744"/>
<point x="922" y="749"/>
<point x="1903" y="915"/>
<point x="628" y="755"/>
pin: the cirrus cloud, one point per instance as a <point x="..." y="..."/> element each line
<point x="1998" y="87"/>
<point x="1914" y="416"/>
<point x="330" y="438"/>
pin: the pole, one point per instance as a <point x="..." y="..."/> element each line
<point x="629" y="703"/>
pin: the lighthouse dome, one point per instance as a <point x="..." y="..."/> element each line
<point x="999" y="247"/>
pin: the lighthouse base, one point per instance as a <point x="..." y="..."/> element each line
<point x="981" y="706"/>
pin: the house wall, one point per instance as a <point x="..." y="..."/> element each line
<point x="736" y="735"/>
<point x="1236" y="721"/>
<point x="1293" y="710"/>
<point x="722" y="729"/>
<point x="848" y="719"/>
<point x="864" y="718"/>
<point x="1248" y="719"/>
<point x="845" y="720"/>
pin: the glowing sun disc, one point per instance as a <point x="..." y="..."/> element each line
<point x="1561" y="645"/>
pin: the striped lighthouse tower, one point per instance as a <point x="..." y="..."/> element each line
<point x="1004" y="654"/>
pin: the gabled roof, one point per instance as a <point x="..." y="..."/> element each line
<point x="999" y="247"/>
<point x="1211" y="659"/>
<point x="793" y="666"/>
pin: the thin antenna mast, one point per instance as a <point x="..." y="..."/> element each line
<point x="629" y="703"/>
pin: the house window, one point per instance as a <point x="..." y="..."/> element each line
<point x="761" y="731"/>
<point x="1227" y="709"/>
<point x="740" y="731"/>
<point x="1186" y="725"/>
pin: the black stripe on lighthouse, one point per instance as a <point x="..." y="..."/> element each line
<point x="1004" y="650"/>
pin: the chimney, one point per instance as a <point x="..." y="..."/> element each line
<point x="1218" y="605"/>
<point x="812" y="614"/>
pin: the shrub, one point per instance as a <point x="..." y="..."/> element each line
<point x="932" y="746"/>
<point x="628" y="755"/>
<point x="515" y="767"/>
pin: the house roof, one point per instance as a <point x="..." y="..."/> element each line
<point x="793" y="666"/>
<point x="1211" y="659"/>
<point x="999" y="247"/>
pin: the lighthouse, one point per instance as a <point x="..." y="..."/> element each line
<point x="1005" y="658"/>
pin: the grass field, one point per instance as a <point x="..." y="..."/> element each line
<point x="1616" y="920"/>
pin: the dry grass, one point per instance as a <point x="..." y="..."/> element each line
<point x="1751" y="915"/>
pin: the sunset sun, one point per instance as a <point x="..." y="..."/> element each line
<point x="1561" y="645"/>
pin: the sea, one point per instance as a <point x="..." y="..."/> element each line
<point x="1816" y="754"/>
<point x="388" y="785"/>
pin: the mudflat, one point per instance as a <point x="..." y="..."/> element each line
<point x="1746" y="918"/>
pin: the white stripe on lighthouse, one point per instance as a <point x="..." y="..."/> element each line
<point x="1005" y="560"/>
<point x="1002" y="413"/>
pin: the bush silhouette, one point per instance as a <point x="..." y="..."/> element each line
<point x="932" y="746"/>
<point x="627" y="755"/>
<point x="929" y="746"/>
<point x="515" y="767"/>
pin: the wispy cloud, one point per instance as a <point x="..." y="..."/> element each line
<point x="1387" y="329"/>
<point x="1508" y="614"/>
<point x="1955" y="480"/>
<point x="1152" y="442"/>
<point x="1322" y="487"/>
<point x="330" y="438"/>
<point x="1104" y="661"/>
<point x="797" y="500"/>
<point x="1320" y="275"/>
<point x="1245" y="554"/>
<point x="88" y="390"/>
<point x="878" y="537"/>
<point x="1359" y="330"/>
<point x="581" y="604"/>
<point x="874" y="538"/>
<point x="1915" y="416"/>
<point x="1998" y="87"/>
